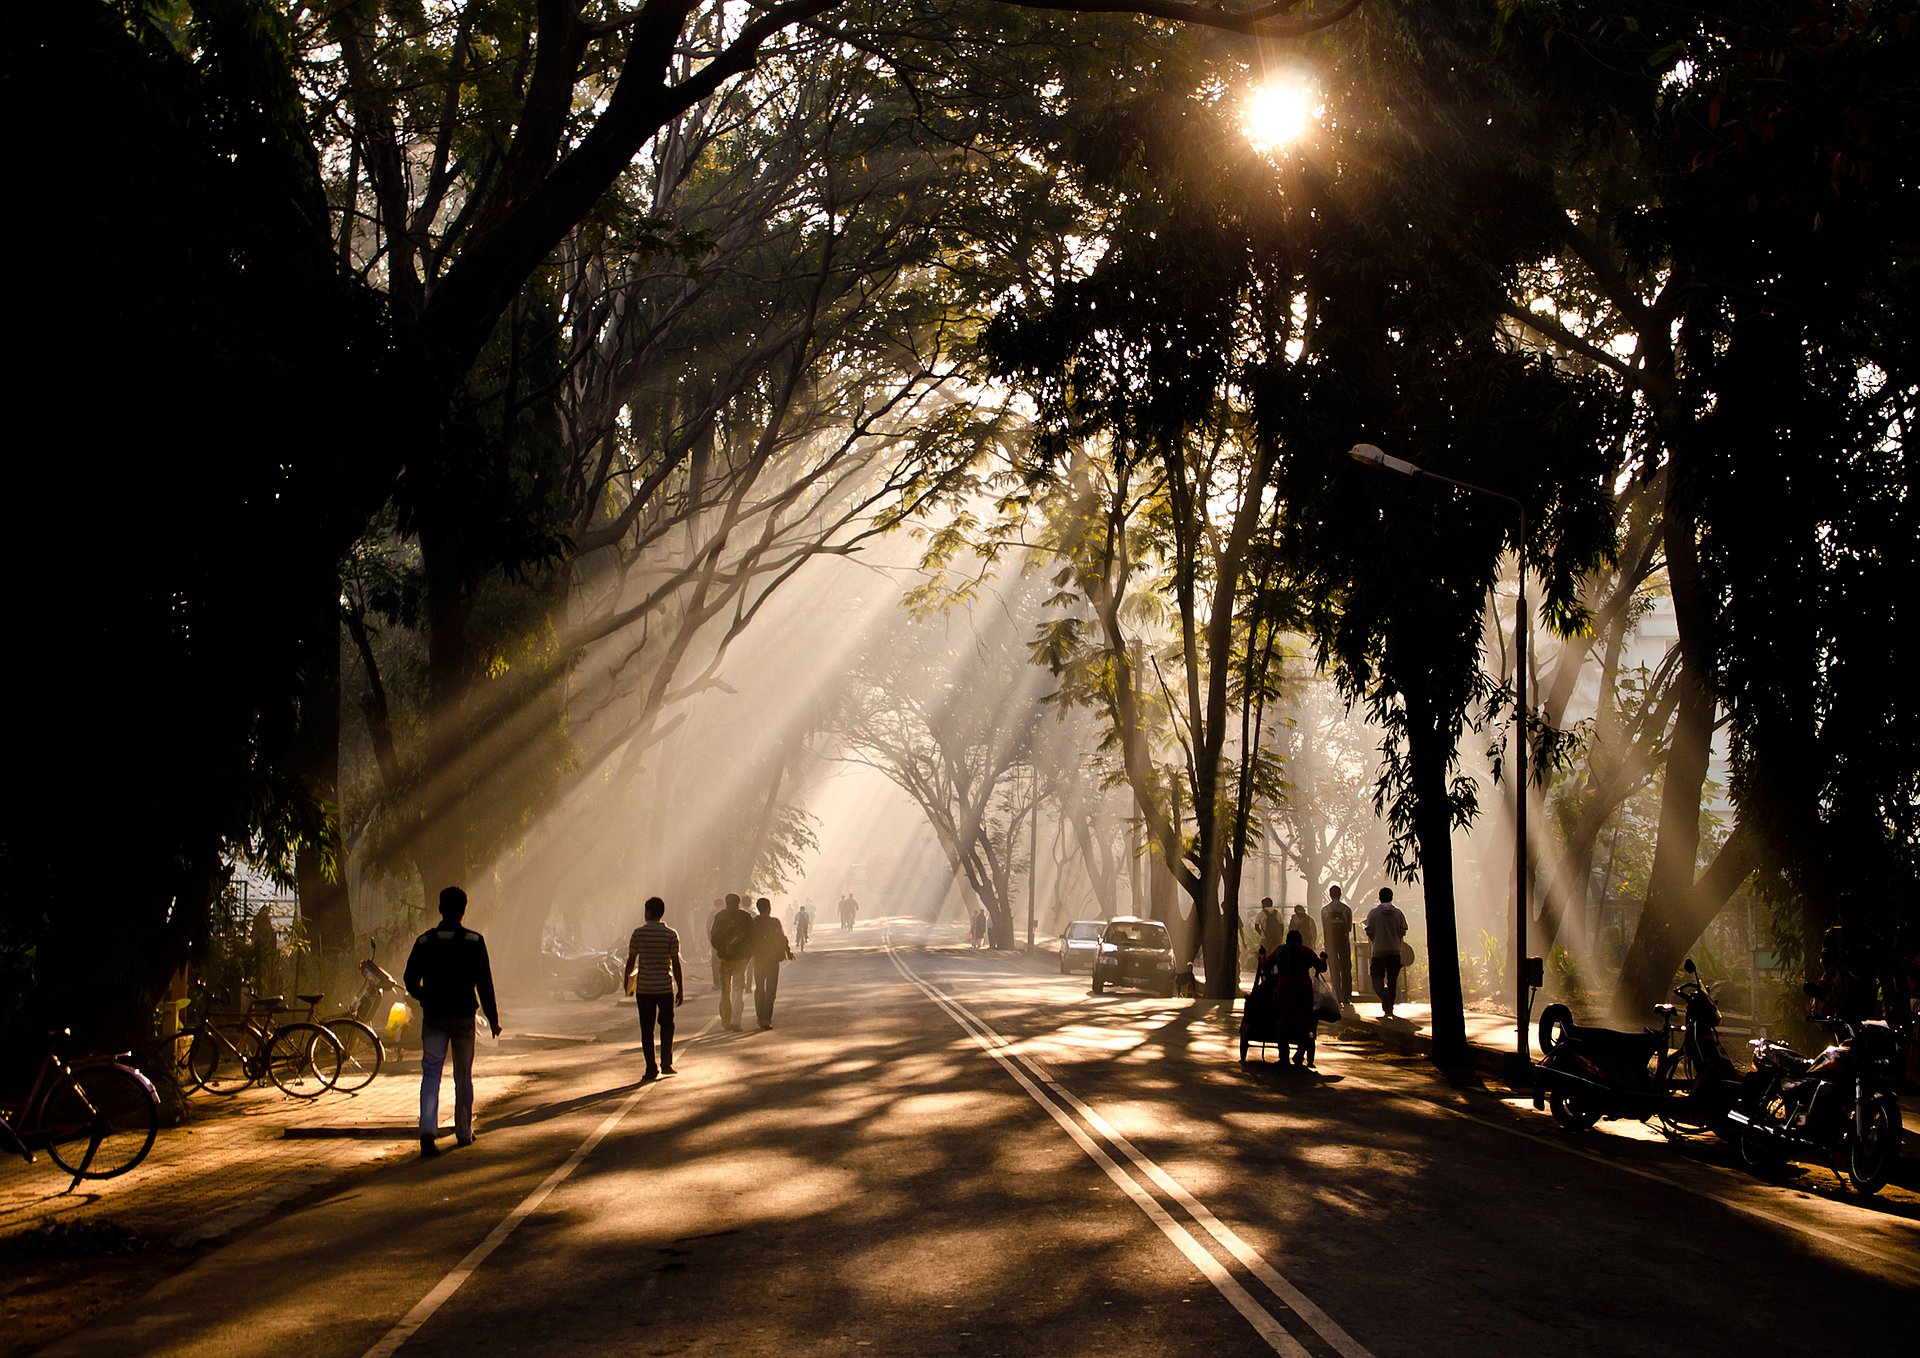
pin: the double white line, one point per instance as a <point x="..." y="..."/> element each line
<point x="1107" y="1148"/>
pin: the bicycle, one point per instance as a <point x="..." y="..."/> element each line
<point x="230" y="1051"/>
<point x="360" y="1049"/>
<point x="96" y="1117"/>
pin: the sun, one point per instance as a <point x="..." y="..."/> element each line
<point x="1280" y="112"/>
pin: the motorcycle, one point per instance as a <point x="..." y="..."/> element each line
<point x="384" y="1005"/>
<point x="1589" y="1073"/>
<point x="588" y="974"/>
<point x="1840" y="1105"/>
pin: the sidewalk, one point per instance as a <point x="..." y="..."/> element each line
<point x="238" y="1158"/>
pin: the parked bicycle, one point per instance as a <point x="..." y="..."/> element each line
<point x="360" y="1049"/>
<point x="96" y="1116"/>
<point x="227" y="1052"/>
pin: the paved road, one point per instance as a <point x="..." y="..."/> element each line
<point x="941" y="1152"/>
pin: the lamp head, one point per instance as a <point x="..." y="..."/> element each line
<point x="1371" y="455"/>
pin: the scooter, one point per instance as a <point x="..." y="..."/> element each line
<point x="1840" y="1105"/>
<point x="384" y="1005"/>
<point x="1588" y="1073"/>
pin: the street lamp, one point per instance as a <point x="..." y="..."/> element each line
<point x="1369" y="455"/>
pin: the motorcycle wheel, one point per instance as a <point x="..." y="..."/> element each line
<point x="593" y="985"/>
<point x="1677" y="1080"/>
<point x="1556" y="1021"/>
<point x="1870" y="1158"/>
<point x="1575" y="1112"/>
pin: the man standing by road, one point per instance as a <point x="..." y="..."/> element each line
<point x="1272" y="928"/>
<point x="1336" y="924"/>
<point x="732" y="940"/>
<point x="769" y="951"/>
<point x="656" y="982"/>
<point x="448" y="972"/>
<point x="1308" y="931"/>
<point x="1387" y="928"/>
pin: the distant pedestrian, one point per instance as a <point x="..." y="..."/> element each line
<point x="1272" y="929"/>
<point x="977" y="933"/>
<point x="1298" y="922"/>
<point x="732" y="940"/>
<point x="769" y="950"/>
<point x="1336" y="919"/>
<point x="1387" y="931"/>
<point x="656" y="982"/>
<point x="448" y="972"/>
<point x="849" y="911"/>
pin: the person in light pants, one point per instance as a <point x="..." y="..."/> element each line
<point x="448" y="972"/>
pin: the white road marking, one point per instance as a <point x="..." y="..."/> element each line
<point x="424" y="1308"/>
<point x="1057" y="1100"/>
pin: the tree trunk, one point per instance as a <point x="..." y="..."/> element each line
<point x="324" y="902"/>
<point x="1428" y="752"/>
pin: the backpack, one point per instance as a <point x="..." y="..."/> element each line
<point x="729" y="936"/>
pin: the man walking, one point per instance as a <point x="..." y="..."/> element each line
<point x="732" y="940"/>
<point x="1387" y="928"/>
<point x="1336" y="923"/>
<point x="656" y="982"/>
<point x="449" y="974"/>
<point x="769" y="951"/>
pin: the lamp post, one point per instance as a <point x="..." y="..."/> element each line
<point x="1369" y="455"/>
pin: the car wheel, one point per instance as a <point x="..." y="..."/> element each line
<point x="1099" y="986"/>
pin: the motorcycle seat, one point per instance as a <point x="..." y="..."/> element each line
<point x="1615" y="1045"/>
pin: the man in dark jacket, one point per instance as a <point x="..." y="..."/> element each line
<point x="731" y="935"/>
<point x="449" y="974"/>
<point x="770" y="949"/>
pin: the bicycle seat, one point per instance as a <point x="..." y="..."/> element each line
<point x="310" y="999"/>
<point x="267" y="1001"/>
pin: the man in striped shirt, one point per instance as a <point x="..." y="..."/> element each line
<point x="655" y="981"/>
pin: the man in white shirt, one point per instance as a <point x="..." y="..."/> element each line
<point x="1387" y="929"/>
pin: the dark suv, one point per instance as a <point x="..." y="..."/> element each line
<point x="1135" y="952"/>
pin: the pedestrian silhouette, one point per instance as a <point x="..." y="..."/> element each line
<point x="732" y="940"/>
<point x="448" y="972"/>
<point x="655" y="980"/>
<point x="769" y="947"/>
<point x="1387" y="931"/>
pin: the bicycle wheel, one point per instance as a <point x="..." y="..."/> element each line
<point x="303" y="1059"/>
<point x="215" y="1058"/>
<point x="101" y="1122"/>
<point x="360" y="1052"/>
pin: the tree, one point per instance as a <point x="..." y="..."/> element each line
<point x="1748" y="232"/>
<point x="947" y="710"/>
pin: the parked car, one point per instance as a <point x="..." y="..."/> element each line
<point x="1134" y="952"/>
<point x="1079" y="943"/>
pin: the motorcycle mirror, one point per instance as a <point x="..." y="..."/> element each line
<point x="1688" y="967"/>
